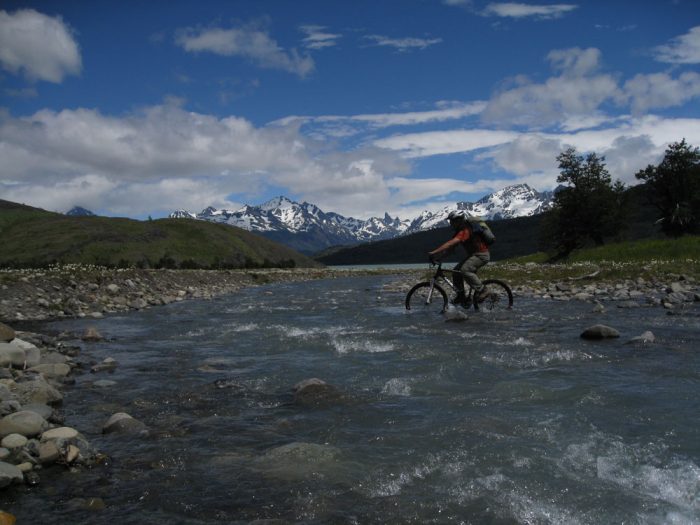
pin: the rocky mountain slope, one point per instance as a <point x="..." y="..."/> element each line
<point x="307" y="228"/>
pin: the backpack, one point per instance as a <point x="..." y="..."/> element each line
<point x="480" y="228"/>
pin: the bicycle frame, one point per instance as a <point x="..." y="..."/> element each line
<point x="439" y="276"/>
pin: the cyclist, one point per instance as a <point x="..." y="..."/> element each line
<point x="477" y="256"/>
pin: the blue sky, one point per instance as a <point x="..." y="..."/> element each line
<point x="140" y="108"/>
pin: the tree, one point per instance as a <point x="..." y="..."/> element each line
<point x="589" y="208"/>
<point x="674" y="189"/>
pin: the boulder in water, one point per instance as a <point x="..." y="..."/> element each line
<point x="299" y="461"/>
<point x="315" y="391"/>
<point x="123" y="423"/>
<point x="646" y="337"/>
<point x="599" y="331"/>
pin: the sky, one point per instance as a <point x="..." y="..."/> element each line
<point x="136" y="109"/>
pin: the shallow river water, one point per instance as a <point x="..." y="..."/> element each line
<point x="511" y="418"/>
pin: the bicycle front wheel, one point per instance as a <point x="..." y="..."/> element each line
<point x="426" y="297"/>
<point x="500" y="296"/>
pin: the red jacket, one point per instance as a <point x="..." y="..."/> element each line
<point x="471" y="243"/>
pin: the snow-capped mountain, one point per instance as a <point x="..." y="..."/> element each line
<point x="519" y="200"/>
<point x="307" y="228"/>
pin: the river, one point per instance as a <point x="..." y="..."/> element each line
<point x="505" y="418"/>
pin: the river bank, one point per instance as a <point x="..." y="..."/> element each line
<point x="93" y="291"/>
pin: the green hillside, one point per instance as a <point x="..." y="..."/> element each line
<point x="31" y="237"/>
<point x="514" y="238"/>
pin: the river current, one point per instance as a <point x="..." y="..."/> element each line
<point x="506" y="418"/>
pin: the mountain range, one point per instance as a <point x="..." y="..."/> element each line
<point x="307" y="228"/>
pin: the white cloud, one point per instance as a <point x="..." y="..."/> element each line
<point x="575" y="62"/>
<point x="520" y="10"/>
<point x="339" y="126"/>
<point x="40" y="46"/>
<point x="247" y="42"/>
<point x="403" y="44"/>
<point x="318" y="38"/>
<point x="684" y="49"/>
<point x="414" y="145"/>
<point x="167" y="158"/>
<point x="660" y="90"/>
<point x="578" y="90"/>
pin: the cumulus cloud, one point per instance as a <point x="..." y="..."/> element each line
<point x="403" y="44"/>
<point x="520" y="10"/>
<point x="39" y="46"/>
<point x="660" y="90"/>
<point x="684" y="49"/>
<point x="318" y="38"/>
<point x="165" y="157"/>
<point x="247" y="42"/>
<point x="578" y="90"/>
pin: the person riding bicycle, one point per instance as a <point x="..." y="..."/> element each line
<point x="477" y="256"/>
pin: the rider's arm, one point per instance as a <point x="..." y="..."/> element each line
<point x="461" y="236"/>
<point x="446" y="246"/>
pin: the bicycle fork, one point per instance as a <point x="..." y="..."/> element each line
<point x="429" y="299"/>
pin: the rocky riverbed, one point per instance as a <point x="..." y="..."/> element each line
<point x="85" y="291"/>
<point x="35" y="368"/>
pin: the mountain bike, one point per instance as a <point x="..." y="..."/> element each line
<point x="431" y="295"/>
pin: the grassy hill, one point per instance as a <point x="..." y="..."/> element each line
<point x="31" y="237"/>
<point x="514" y="238"/>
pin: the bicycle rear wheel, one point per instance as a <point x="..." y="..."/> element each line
<point x="500" y="296"/>
<point x="426" y="297"/>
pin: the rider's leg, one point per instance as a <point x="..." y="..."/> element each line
<point x="458" y="281"/>
<point x="470" y="267"/>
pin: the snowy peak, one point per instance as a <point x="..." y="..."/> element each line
<point x="288" y="221"/>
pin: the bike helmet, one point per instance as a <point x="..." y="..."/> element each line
<point x="457" y="219"/>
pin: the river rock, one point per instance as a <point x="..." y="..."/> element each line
<point x="42" y="409"/>
<point x="23" y="422"/>
<point x="299" y="461"/>
<point x="48" y="453"/>
<point x="109" y="363"/>
<point x="104" y="383"/>
<point x="11" y="355"/>
<point x="628" y="304"/>
<point x="599" y="331"/>
<point x="7" y="519"/>
<point x="92" y="335"/>
<point x="646" y="337"/>
<point x="7" y="334"/>
<point x="123" y="423"/>
<point x="315" y="391"/>
<point x="598" y="308"/>
<point x="63" y="433"/>
<point x="37" y="391"/>
<point x="9" y="474"/>
<point x="5" y="394"/>
<point x="13" y="441"/>
<point x="52" y="370"/>
<point x="676" y="287"/>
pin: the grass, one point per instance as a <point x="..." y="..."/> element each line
<point x="665" y="259"/>
<point x="37" y="238"/>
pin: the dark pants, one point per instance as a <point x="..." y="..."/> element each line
<point x="467" y="268"/>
